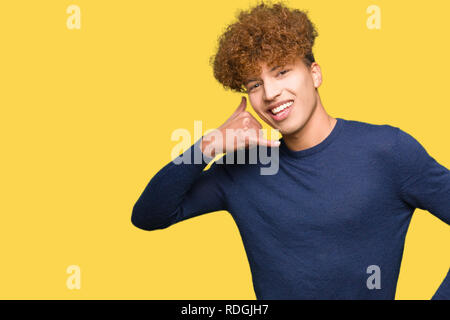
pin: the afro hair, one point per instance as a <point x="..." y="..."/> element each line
<point x="270" y="33"/>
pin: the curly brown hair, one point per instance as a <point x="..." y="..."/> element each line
<point x="274" y="34"/>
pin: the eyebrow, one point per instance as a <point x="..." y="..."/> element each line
<point x="250" y="80"/>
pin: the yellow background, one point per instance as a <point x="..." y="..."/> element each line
<point x="86" y="120"/>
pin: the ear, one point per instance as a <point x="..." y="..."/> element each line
<point x="316" y="74"/>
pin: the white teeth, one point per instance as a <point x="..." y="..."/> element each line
<point x="281" y="108"/>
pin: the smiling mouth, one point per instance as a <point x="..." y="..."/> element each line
<point x="279" y="109"/>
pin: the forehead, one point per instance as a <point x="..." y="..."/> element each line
<point x="296" y="62"/>
<point x="265" y="68"/>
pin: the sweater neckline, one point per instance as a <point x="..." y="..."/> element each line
<point x="318" y="147"/>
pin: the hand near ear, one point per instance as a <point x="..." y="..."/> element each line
<point x="241" y="130"/>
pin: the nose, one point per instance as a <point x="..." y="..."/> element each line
<point x="271" y="90"/>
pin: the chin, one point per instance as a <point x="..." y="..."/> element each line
<point x="286" y="131"/>
<point x="293" y="128"/>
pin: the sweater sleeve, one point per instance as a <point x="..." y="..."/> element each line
<point x="424" y="184"/>
<point x="180" y="191"/>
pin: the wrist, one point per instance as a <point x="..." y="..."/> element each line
<point x="206" y="148"/>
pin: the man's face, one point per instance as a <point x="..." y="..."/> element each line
<point x="295" y="83"/>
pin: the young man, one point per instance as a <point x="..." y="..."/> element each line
<point x="331" y="223"/>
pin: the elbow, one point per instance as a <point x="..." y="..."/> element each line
<point x="141" y="219"/>
<point x="137" y="219"/>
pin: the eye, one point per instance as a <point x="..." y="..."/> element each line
<point x="255" y="86"/>
<point x="280" y="73"/>
<point x="252" y="87"/>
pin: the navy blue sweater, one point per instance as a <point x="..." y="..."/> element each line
<point x="330" y="224"/>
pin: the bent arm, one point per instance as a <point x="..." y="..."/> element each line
<point x="443" y="292"/>
<point x="180" y="191"/>
<point x="425" y="184"/>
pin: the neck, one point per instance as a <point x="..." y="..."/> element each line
<point x="315" y="130"/>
